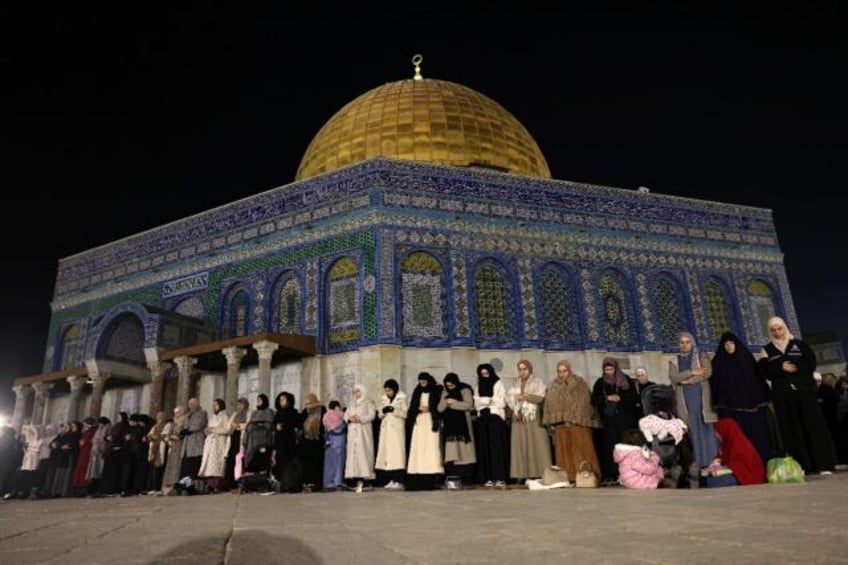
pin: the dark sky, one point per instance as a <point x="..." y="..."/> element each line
<point x="114" y="122"/>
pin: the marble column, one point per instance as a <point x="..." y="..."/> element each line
<point x="39" y="407"/>
<point x="234" y="356"/>
<point x="74" y="408"/>
<point x="22" y="393"/>
<point x="157" y="380"/>
<point x="266" y="350"/>
<point x="98" y="385"/>
<point x="184" y="365"/>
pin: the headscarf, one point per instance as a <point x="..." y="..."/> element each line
<point x="240" y="416"/>
<point x="263" y="412"/>
<point x="392" y="384"/>
<point x="435" y="392"/>
<point x="619" y="379"/>
<point x="486" y="386"/>
<point x="455" y="422"/>
<point x="691" y="360"/>
<point x="782" y="344"/>
<point x="735" y="383"/>
<point x="569" y="401"/>
<point x="287" y="416"/>
<point x="312" y="421"/>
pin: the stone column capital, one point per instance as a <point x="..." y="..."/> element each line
<point x="157" y="368"/>
<point x="234" y="355"/>
<point x="76" y="383"/>
<point x="265" y="349"/>
<point x="185" y="363"/>
<point x="41" y="388"/>
<point x="22" y="391"/>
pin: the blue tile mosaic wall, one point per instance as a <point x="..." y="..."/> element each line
<point x="441" y="255"/>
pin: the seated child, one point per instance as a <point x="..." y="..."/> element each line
<point x="638" y="466"/>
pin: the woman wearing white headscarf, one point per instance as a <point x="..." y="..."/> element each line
<point x="688" y="374"/>
<point x="788" y="364"/>
<point x="359" y="454"/>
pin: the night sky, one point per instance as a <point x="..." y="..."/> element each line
<point x="115" y="122"/>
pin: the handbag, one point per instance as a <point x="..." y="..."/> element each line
<point x="553" y="475"/>
<point x="784" y="470"/>
<point x="586" y="477"/>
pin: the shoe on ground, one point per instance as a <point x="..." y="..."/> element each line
<point x="500" y="484"/>
<point x="490" y="483"/>
<point x="825" y="473"/>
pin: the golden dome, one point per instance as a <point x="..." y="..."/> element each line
<point x="428" y="120"/>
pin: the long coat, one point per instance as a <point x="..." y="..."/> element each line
<point x="391" y="451"/>
<point x="677" y="377"/>
<point x="359" y="454"/>
<point x="216" y="446"/>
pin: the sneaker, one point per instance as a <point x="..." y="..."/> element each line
<point x="390" y="485"/>
<point x="826" y="473"/>
<point x="500" y="484"/>
<point x="490" y="483"/>
<point x="394" y="485"/>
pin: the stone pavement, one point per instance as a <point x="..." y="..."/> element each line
<point x="795" y="523"/>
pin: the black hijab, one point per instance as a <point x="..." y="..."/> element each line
<point x="735" y="383"/>
<point x="455" y="422"/>
<point x="486" y="386"/>
<point x="435" y="391"/>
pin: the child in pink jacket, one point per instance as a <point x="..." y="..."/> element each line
<point x="638" y="466"/>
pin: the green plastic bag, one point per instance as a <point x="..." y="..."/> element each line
<point x="784" y="470"/>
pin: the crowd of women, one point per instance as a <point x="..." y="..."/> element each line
<point x="492" y="432"/>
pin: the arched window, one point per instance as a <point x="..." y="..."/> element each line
<point x="719" y="309"/>
<point x="761" y="299"/>
<point x="289" y="306"/>
<point x="71" y="349"/>
<point x="343" y="302"/>
<point x="238" y="314"/>
<point x="123" y="340"/>
<point x="423" y="297"/>
<point x="494" y="306"/>
<point x="668" y="302"/>
<point x="560" y="321"/>
<point x="616" y="310"/>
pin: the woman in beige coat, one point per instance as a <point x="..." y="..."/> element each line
<point x="530" y="447"/>
<point x="391" y="451"/>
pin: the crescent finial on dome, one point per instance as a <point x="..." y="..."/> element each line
<point x="416" y="60"/>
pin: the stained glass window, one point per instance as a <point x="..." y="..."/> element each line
<point x="668" y="302"/>
<point x="238" y="318"/>
<point x="615" y="310"/>
<point x="762" y="304"/>
<point x="423" y="297"/>
<point x="344" y="296"/>
<point x="290" y="307"/>
<point x="718" y="309"/>
<point x="560" y="322"/>
<point x="71" y="348"/>
<point x="493" y="306"/>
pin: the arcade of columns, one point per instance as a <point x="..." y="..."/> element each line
<point x="98" y="379"/>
